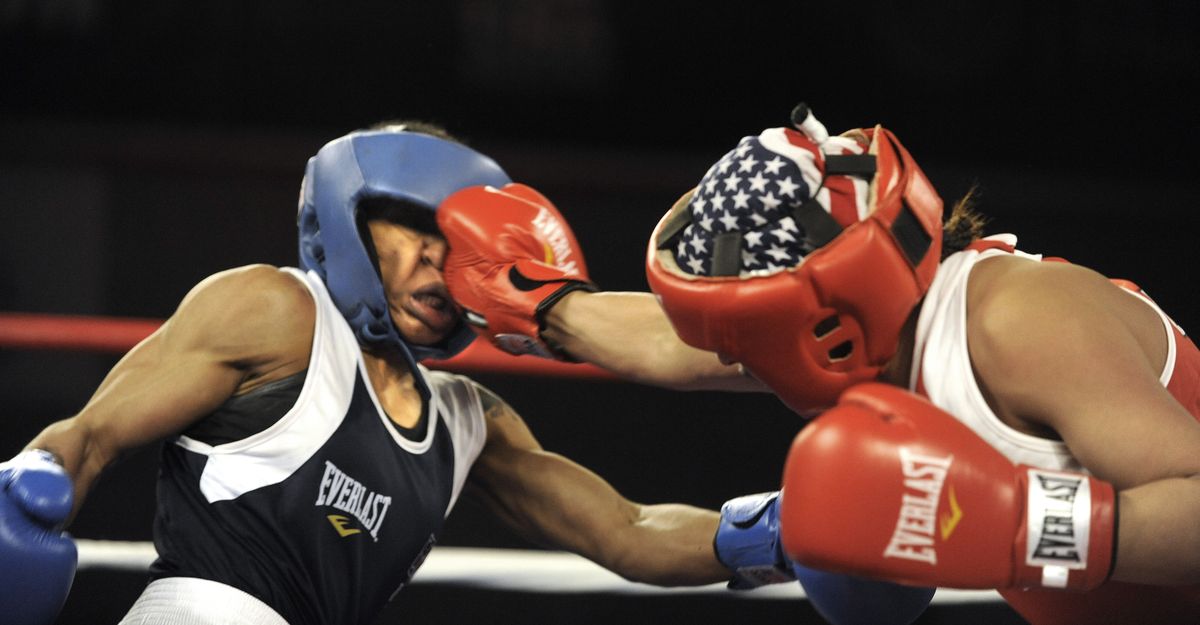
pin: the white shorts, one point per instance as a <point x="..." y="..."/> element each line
<point x="193" y="601"/>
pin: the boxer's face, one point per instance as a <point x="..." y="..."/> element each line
<point x="410" y="263"/>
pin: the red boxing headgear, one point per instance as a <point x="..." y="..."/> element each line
<point x="806" y="289"/>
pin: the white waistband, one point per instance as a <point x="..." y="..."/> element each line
<point x="193" y="601"/>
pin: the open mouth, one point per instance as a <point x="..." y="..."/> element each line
<point x="433" y="301"/>
<point x="433" y="307"/>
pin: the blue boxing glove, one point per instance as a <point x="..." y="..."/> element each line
<point x="37" y="559"/>
<point x="747" y="542"/>
<point x="848" y="600"/>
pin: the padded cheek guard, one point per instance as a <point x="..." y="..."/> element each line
<point x="813" y="330"/>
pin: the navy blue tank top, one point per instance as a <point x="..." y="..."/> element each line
<point x="325" y="512"/>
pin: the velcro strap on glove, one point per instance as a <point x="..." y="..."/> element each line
<point x="747" y="541"/>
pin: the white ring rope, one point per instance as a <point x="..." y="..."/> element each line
<point x="511" y="570"/>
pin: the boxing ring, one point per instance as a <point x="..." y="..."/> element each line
<point x="504" y="570"/>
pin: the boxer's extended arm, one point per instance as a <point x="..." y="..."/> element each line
<point x="554" y="502"/>
<point x="515" y="267"/>
<point x="629" y="334"/>
<point x="230" y="328"/>
<point x="1058" y="346"/>
<point x="512" y="257"/>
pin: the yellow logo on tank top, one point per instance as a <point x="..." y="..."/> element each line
<point x="341" y="523"/>
<point x="346" y="494"/>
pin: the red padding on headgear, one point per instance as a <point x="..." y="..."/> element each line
<point x="780" y="327"/>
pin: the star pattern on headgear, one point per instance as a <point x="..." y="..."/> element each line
<point x="751" y="190"/>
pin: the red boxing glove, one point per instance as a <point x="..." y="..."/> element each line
<point x="512" y="257"/>
<point x="887" y="485"/>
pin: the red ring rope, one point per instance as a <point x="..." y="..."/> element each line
<point x="118" y="335"/>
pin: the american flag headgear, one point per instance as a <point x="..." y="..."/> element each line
<point x="800" y="255"/>
<point x="760" y="201"/>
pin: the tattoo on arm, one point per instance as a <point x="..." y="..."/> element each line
<point x="493" y="406"/>
<point x="506" y="429"/>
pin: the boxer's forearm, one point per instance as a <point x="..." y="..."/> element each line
<point x="1158" y="533"/>
<point x="628" y="334"/>
<point x="671" y="545"/>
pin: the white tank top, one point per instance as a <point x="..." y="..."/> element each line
<point x="942" y="364"/>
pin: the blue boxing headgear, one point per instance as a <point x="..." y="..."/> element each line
<point x="416" y="168"/>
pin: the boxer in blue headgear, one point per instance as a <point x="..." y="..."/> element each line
<point x="310" y="460"/>
<point x="412" y="167"/>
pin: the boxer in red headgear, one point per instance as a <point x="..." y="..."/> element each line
<point x="996" y="339"/>
<point x="861" y="215"/>
<point x="1045" y="437"/>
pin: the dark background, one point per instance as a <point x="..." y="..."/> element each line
<point x="145" y="145"/>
